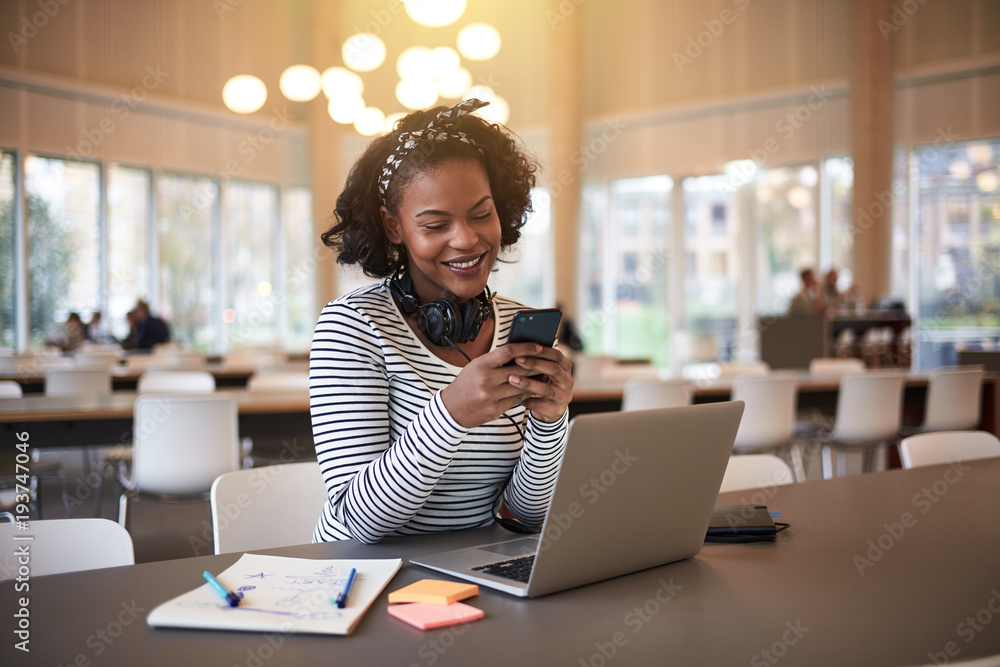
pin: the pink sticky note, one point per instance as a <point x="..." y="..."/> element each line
<point x="427" y="615"/>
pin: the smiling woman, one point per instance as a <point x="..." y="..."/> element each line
<point x="419" y="426"/>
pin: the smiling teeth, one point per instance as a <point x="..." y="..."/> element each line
<point x="464" y="265"/>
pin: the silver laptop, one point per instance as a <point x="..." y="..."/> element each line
<point x="635" y="490"/>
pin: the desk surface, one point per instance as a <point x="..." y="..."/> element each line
<point x="806" y="599"/>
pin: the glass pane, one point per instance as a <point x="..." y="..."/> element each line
<point x="7" y="251"/>
<point x="840" y="181"/>
<point x="634" y="289"/>
<point x="251" y="314"/>
<point x="958" y="249"/>
<point x="900" y="282"/>
<point x="590" y="284"/>
<point x="530" y="277"/>
<point x="711" y="247"/>
<point x="186" y="211"/>
<point x="302" y="252"/>
<point x="63" y="245"/>
<point x="128" y="245"/>
<point x="786" y="243"/>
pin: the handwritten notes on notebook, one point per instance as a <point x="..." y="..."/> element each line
<point x="281" y="594"/>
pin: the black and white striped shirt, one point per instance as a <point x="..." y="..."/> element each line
<point x="394" y="460"/>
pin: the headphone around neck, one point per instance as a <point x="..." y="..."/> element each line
<point x="442" y="321"/>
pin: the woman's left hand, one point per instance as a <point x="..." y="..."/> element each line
<point x="551" y="390"/>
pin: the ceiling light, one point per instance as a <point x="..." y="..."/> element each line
<point x="244" y="93"/>
<point x="345" y="109"/>
<point x="389" y="124"/>
<point x="454" y="84"/>
<point x="338" y="81"/>
<point x="300" y="83"/>
<point x="799" y="197"/>
<point x="416" y="93"/>
<point x="370" y="121"/>
<point x="414" y="63"/>
<point x="478" y="41"/>
<point x="363" y="52"/>
<point x="987" y="181"/>
<point x="444" y="60"/>
<point x="434" y="13"/>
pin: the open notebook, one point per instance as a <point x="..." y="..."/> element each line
<point x="293" y="595"/>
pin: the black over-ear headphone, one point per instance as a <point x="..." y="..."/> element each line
<point x="441" y="320"/>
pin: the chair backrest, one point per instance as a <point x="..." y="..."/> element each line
<point x="176" y="382"/>
<point x="869" y="406"/>
<point x="95" y="359"/>
<point x="174" y="360"/>
<point x="77" y="381"/>
<point x="272" y="506"/>
<point x="10" y="389"/>
<point x="953" y="398"/>
<point x="835" y="366"/>
<point x="182" y="442"/>
<point x="279" y="381"/>
<point x="67" y="545"/>
<point x="769" y="414"/>
<point x="928" y="449"/>
<point x="755" y="471"/>
<point x="651" y="394"/>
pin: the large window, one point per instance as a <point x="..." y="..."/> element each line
<point x="530" y="277"/>
<point x="129" y="217"/>
<point x="957" y="248"/>
<point x="303" y="251"/>
<point x="624" y="262"/>
<point x="63" y="242"/>
<point x="187" y="212"/>
<point x="711" y="271"/>
<point x="787" y="233"/>
<point x="8" y="297"/>
<point x="252" y="245"/>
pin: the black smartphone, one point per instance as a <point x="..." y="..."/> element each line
<point x="535" y="326"/>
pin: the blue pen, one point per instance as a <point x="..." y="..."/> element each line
<point x="232" y="598"/>
<point x="342" y="598"/>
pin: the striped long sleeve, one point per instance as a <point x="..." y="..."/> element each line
<point x="394" y="461"/>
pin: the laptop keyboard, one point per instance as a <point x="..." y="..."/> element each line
<point x="518" y="569"/>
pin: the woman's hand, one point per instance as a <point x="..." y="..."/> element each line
<point x="486" y="388"/>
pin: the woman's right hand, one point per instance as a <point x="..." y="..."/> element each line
<point x="481" y="393"/>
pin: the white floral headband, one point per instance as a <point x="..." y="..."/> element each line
<point x="439" y="129"/>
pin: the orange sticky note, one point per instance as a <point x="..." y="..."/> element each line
<point x="427" y="616"/>
<point x="434" y="591"/>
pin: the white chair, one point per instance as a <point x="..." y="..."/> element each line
<point x="272" y="506"/>
<point x="175" y="382"/>
<point x="755" y="471"/>
<point x="78" y="382"/>
<point x="182" y="442"/>
<point x="768" y="422"/>
<point x="96" y="359"/>
<point x="835" y="366"/>
<point x="869" y="413"/>
<point x="928" y="449"/>
<point x="954" y="399"/>
<point x="650" y="394"/>
<point x="10" y="389"/>
<point x="67" y="545"/>
<point x="278" y="381"/>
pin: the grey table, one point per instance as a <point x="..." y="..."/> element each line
<point x="892" y="568"/>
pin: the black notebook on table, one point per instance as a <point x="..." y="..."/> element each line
<point x="741" y="523"/>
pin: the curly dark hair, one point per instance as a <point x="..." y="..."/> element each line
<point x="358" y="236"/>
